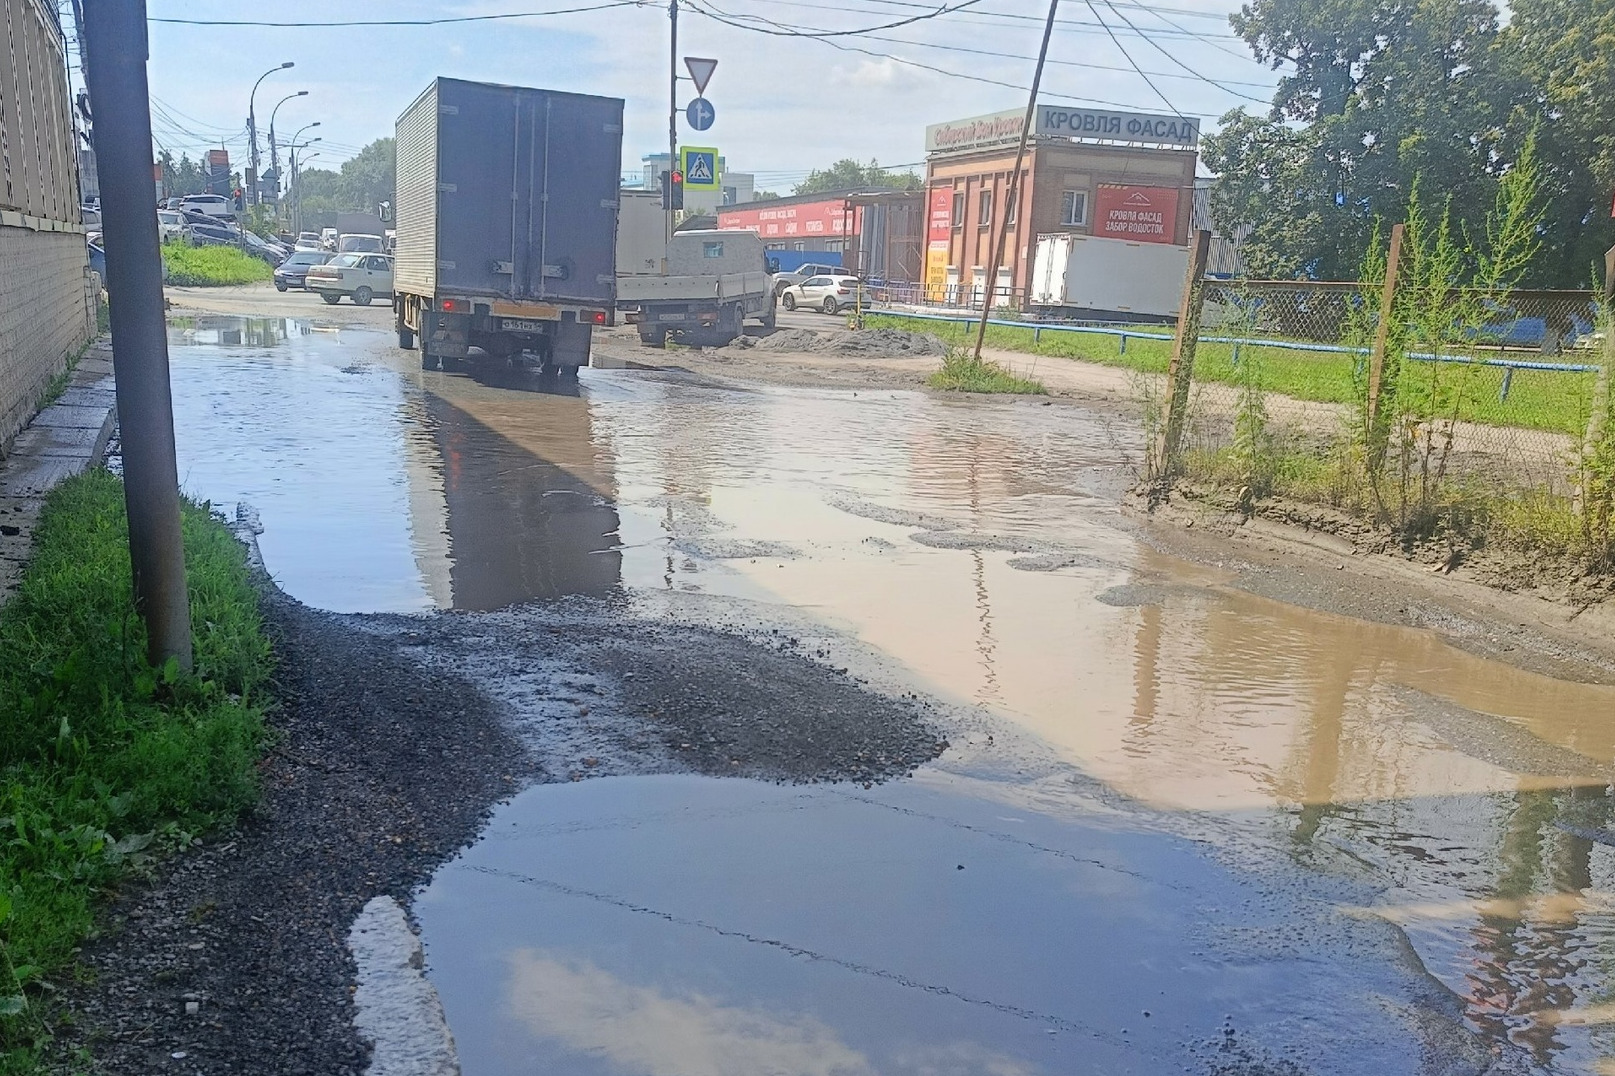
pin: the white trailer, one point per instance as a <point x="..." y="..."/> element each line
<point x="1082" y="276"/>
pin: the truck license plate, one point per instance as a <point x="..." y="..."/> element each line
<point x="521" y="325"/>
<point x="669" y="317"/>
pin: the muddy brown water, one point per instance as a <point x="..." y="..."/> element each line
<point x="1277" y="820"/>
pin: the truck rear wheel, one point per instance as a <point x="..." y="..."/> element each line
<point x="771" y="317"/>
<point x="653" y="335"/>
<point x="406" y="335"/>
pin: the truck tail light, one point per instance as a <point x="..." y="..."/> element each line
<point x="449" y="305"/>
<point x="599" y="317"/>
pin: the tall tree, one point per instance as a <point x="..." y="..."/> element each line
<point x="1563" y="65"/>
<point x="848" y="174"/>
<point x="1375" y="93"/>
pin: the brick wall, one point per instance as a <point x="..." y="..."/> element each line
<point x="43" y="316"/>
<point x="45" y="312"/>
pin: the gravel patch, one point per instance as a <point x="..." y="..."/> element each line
<point x="382" y="771"/>
<point x="883" y="343"/>
<point x="395" y="736"/>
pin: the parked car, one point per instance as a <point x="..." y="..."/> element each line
<point x="211" y="235"/>
<point x="214" y="205"/>
<point x="361" y="276"/>
<point x="293" y="272"/>
<point x="826" y="293"/>
<point x="170" y="225"/>
<point x="803" y="273"/>
<point x="98" y="261"/>
<point x="359" y="243"/>
<point x="308" y="241"/>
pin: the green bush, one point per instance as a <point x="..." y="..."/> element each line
<point x="211" y="267"/>
<point x="963" y="372"/>
<point x="106" y="761"/>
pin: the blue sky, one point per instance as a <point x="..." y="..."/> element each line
<point x="784" y="105"/>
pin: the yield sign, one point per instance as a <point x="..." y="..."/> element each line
<point x="700" y="71"/>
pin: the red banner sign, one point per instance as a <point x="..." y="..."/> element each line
<point x="1140" y="214"/>
<point x="940" y="215"/>
<point x="804" y="220"/>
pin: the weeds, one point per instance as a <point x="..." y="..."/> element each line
<point x="963" y="372"/>
<point x="211" y="266"/>
<point x="106" y="761"/>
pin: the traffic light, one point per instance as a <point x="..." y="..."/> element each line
<point x="673" y="190"/>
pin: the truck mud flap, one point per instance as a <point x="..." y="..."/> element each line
<point x="571" y="343"/>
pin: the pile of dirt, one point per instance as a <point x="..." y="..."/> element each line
<point x="879" y="343"/>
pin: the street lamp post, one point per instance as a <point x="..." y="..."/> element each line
<point x="252" y="128"/>
<point x="274" y="154"/>
<point x="297" y="186"/>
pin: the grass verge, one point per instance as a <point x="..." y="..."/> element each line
<point x="962" y="372"/>
<point x="1537" y="399"/>
<point x="211" y="267"/>
<point x="105" y="761"/>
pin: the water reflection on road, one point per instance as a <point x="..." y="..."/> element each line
<point x="972" y="543"/>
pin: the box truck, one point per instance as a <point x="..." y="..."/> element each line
<point x="506" y="218"/>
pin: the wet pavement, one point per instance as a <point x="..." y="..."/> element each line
<point x="1261" y="823"/>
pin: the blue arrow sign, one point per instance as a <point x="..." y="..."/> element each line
<point x="700" y="114"/>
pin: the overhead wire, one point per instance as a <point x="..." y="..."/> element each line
<point x="440" y="21"/>
<point x="1156" y="45"/>
<point x="1132" y="62"/>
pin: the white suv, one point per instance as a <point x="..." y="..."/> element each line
<point x="214" y="205"/>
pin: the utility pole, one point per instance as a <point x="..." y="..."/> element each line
<point x="116" y="47"/>
<point x="672" y="110"/>
<point x="1014" y="191"/>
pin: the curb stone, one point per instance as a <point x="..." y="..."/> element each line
<point x="398" y="1011"/>
<point x="62" y="440"/>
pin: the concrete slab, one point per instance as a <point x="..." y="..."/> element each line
<point x="35" y="476"/>
<point x="65" y="415"/>
<point x="89" y="396"/>
<point x="57" y="441"/>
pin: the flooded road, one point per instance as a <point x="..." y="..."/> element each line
<point x="1294" y="838"/>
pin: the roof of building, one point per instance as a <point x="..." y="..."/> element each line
<point x="817" y="196"/>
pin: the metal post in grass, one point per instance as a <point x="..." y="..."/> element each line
<point x="1382" y="331"/>
<point x="1180" y="372"/>
<point x="115" y="52"/>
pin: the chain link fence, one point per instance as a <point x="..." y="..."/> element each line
<point x="1307" y="389"/>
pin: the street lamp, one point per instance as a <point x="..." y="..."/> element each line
<point x="274" y="154"/>
<point x="296" y="185"/>
<point x="252" y="123"/>
<point x="303" y="128"/>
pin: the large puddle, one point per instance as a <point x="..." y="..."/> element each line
<point x="972" y="544"/>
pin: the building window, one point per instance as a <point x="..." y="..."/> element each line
<point x="1073" y="208"/>
<point x="800" y="244"/>
<point x="958" y="210"/>
<point x="985" y="217"/>
<point x="1011" y="203"/>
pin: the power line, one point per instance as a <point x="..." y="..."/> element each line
<point x="1134" y="63"/>
<point x="443" y="21"/>
<point x="1156" y="45"/>
<point x="736" y="22"/>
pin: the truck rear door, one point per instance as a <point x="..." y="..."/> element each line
<point x="527" y="192"/>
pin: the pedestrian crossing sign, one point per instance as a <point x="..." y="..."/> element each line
<point x="700" y="166"/>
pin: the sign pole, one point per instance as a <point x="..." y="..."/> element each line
<point x="1014" y="183"/>
<point x="672" y="113"/>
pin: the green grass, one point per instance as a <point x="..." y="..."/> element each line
<point x="211" y="267"/>
<point x="1538" y="399"/>
<point x="962" y="373"/>
<point x="105" y="761"/>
